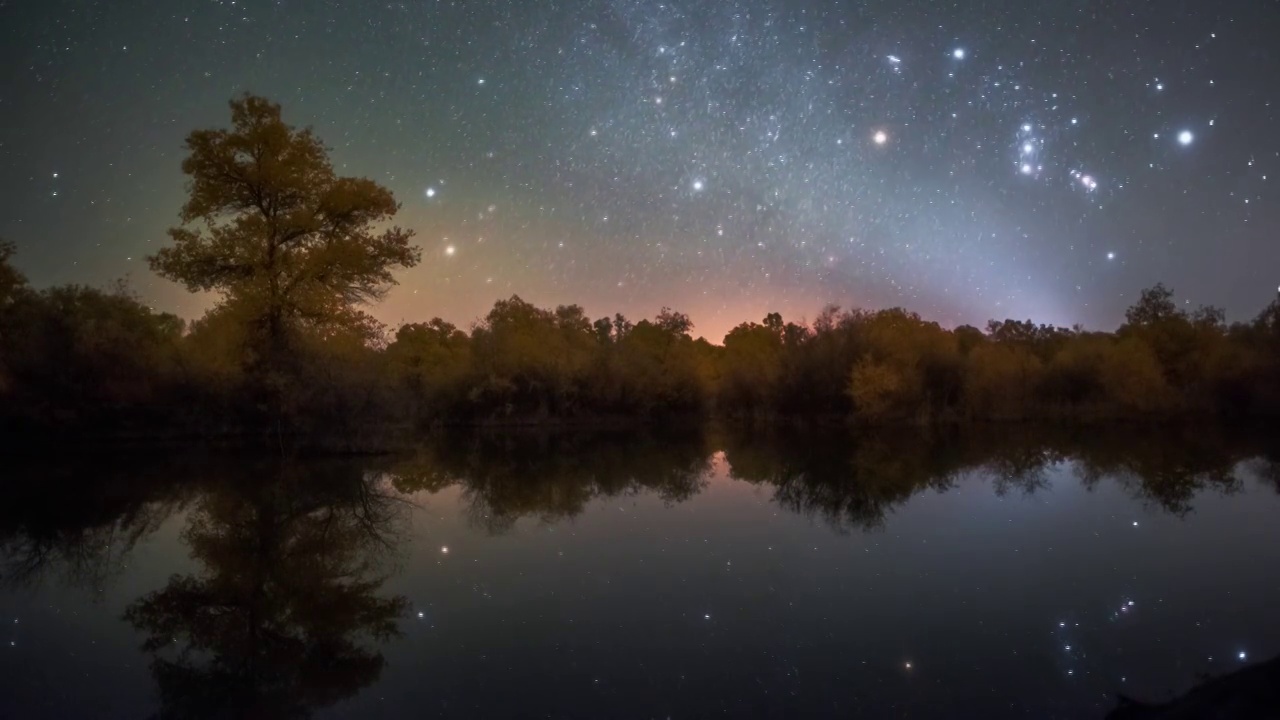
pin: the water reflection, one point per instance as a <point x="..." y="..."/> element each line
<point x="286" y="607"/>
<point x="553" y="476"/>
<point x="285" y="614"/>
<point x="852" y="482"/>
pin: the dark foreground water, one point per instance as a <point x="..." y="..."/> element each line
<point x="1008" y="574"/>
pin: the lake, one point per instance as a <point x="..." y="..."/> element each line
<point x="685" y="574"/>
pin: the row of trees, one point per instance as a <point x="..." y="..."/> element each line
<point x="79" y="357"/>
<point x="295" y="252"/>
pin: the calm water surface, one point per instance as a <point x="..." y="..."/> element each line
<point x="632" y="576"/>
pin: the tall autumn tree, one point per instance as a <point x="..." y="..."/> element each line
<point x="287" y="242"/>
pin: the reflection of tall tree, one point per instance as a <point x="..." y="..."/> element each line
<point x="552" y="476"/>
<point x="279" y="621"/>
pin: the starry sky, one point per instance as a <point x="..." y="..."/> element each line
<point x="966" y="160"/>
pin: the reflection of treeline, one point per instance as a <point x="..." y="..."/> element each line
<point x="285" y="608"/>
<point x="82" y="517"/>
<point x="855" y="481"/>
<point x="852" y="481"/>
<point x="73" y="357"/>
<point x="549" y="475"/>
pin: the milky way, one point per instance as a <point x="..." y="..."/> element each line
<point x="981" y="160"/>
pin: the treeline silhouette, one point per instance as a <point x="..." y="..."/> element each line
<point x="77" y="358"/>
<point x="295" y="252"/>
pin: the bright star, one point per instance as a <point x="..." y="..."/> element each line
<point x="958" y="53"/>
<point x="1112" y="256"/>
<point x="1027" y="169"/>
<point x="1028" y="148"/>
<point x="881" y="137"/>
<point x="449" y="250"/>
<point x="698" y="185"/>
<point x="431" y="192"/>
<point x="1186" y="137"/>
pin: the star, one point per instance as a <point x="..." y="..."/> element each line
<point x="1186" y="137"/>
<point x="958" y="53"/>
<point x="431" y="192"/>
<point x="880" y="138"/>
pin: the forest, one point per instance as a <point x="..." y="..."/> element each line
<point x="297" y="254"/>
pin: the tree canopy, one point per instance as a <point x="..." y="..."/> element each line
<point x="270" y="226"/>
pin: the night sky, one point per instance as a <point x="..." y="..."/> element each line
<point x="966" y="160"/>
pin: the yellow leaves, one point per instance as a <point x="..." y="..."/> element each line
<point x="282" y="235"/>
<point x="1001" y="381"/>
<point x="877" y="388"/>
